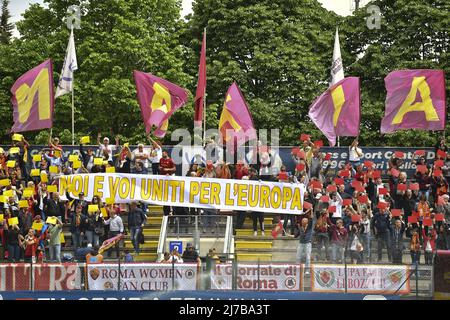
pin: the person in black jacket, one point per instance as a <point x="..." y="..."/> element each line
<point x="397" y="229"/>
<point x="136" y="220"/>
<point x="77" y="227"/>
<point x="381" y="223"/>
<point x="54" y="207"/>
<point x="80" y="201"/>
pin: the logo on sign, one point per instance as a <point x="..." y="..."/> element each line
<point x="325" y="278"/>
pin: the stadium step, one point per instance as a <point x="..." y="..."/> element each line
<point x="253" y="245"/>
<point x="254" y="256"/>
<point x="151" y="232"/>
<point x="155" y="220"/>
<point x="145" y="257"/>
<point x="151" y="244"/>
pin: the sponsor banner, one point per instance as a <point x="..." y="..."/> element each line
<point x="142" y="276"/>
<point x="185" y="295"/>
<point x="225" y="194"/>
<point x="271" y="277"/>
<point x="23" y="276"/>
<point x="360" y="279"/>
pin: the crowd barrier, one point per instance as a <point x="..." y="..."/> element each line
<point x="236" y="276"/>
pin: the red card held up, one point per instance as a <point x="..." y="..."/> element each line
<point x="376" y="174"/>
<point x="399" y="154"/>
<point x="356" y="183"/>
<point x="283" y="176"/>
<point x="413" y="186"/>
<point x="395" y="172"/>
<point x="316" y="184"/>
<point x="301" y="154"/>
<point x="401" y="187"/>
<point x="325" y="199"/>
<point x="422" y="168"/>
<point x="368" y="164"/>
<point x="339" y="181"/>
<point x="382" y="205"/>
<point x="427" y="222"/>
<point x="356" y="218"/>
<point x="437" y="173"/>
<point x="415" y="214"/>
<point x="328" y="156"/>
<point x="307" y="205"/>
<point x="344" y="173"/>
<point x="363" y="199"/>
<point x="441" y="154"/>
<point x="305" y="137"/>
<point x="440" y="201"/>
<point x="382" y="191"/>
<point x="318" y="143"/>
<point x="420" y="153"/>
<point x="439" y="217"/>
<point x="439" y="163"/>
<point x="331" y="188"/>
<point x="396" y="212"/>
<point x="295" y="151"/>
<point x="412" y="219"/>
<point x="360" y="188"/>
<point x="347" y="202"/>
<point x="300" y="167"/>
<point x="332" y="209"/>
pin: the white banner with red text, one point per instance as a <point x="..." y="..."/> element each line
<point x="208" y="193"/>
<point x="375" y="279"/>
<point x="265" y="277"/>
<point x="142" y="276"/>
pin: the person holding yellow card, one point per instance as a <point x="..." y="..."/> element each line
<point x="85" y="140"/>
<point x="77" y="226"/>
<point x="55" y="231"/>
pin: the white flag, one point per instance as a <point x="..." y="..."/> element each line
<point x="337" y="69"/>
<point x="65" y="84"/>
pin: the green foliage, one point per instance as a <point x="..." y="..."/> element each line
<point x="6" y="27"/>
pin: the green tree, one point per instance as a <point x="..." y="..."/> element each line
<point x="279" y="52"/>
<point x="6" y="27"/>
<point x="116" y="37"/>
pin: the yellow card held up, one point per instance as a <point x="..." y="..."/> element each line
<point x="85" y="140"/>
<point x="44" y="177"/>
<point x="77" y="164"/>
<point x="13" y="221"/>
<point x="5" y="182"/>
<point x="51" y="220"/>
<point x="14" y="150"/>
<point x="11" y="163"/>
<point x="73" y="157"/>
<point x="2" y="199"/>
<point x="28" y="193"/>
<point x="52" y="188"/>
<point x="23" y="204"/>
<point x="110" y="170"/>
<point x="104" y="212"/>
<point x="53" y="169"/>
<point x="93" y="208"/>
<point x="105" y="162"/>
<point x="126" y="145"/>
<point x="109" y="200"/>
<point x="37" y="157"/>
<point x="2" y="217"/>
<point x="57" y="153"/>
<point x="98" y="161"/>
<point x="37" y="226"/>
<point x="35" y="172"/>
<point x="17" y="137"/>
<point x="8" y="193"/>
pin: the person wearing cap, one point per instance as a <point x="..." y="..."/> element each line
<point x="190" y="254"/>
<point x="106" y="148"/>
<point x="139" y="155"/>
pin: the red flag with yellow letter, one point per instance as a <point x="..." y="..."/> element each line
<point x="236" y="123"/>
<point x="33" y="99"/>
<point x="158" y="99"/>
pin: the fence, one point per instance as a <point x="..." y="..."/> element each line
<point x="218" y="273"/>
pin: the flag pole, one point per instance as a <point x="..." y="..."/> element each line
<point x="204" y="102"/>
<point x="73" y="102"/>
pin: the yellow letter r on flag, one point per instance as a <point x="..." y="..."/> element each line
<point x="418" y="83"/>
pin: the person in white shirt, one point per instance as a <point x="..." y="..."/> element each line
<point x="155" y="155"/>
<point x="106" y="148"/>
<point x="355" y="154"/>
<point x="115" y="228"/>
<point x="140" y="155"/>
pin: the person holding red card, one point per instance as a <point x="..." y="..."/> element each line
<point x="440" y="148"/>
<point x="305" y="238"/>
<point x="355" y="153"/>
<point x="339" y="237"/>
<point x="414" y="247"/>
<point x="424" y="180"/>
<point x="307" y="148"/>
<point x="381" y="224"/>
<point x="423" y="207"/>
<point x="321" y="230"/>
<point x="429" y="244"/>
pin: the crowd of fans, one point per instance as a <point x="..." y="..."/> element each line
<point x="343" y="211"/>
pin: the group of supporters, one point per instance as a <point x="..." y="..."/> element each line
<point x="343" y="211"/>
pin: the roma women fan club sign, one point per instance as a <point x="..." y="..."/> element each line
<point x="360" y="279"/>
